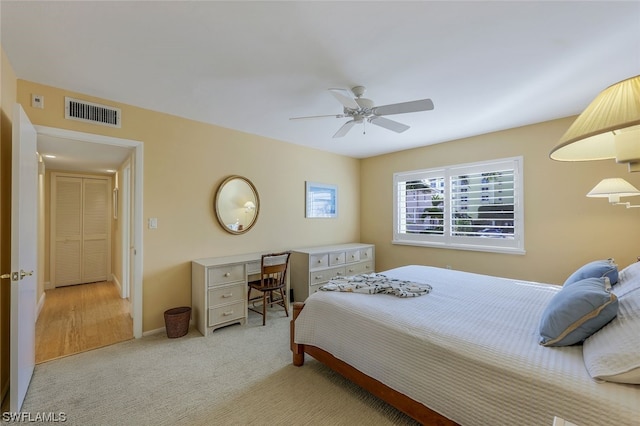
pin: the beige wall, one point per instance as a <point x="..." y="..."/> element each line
<point x="563" y="228"/>
<point x="8" y="90"/>
<point x="184" y="161"/>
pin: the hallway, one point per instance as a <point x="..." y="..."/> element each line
<point x="80" y="318"/>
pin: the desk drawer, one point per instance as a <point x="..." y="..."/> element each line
<point x="226" y="294"/>
<point x="337" y="258"/>
<point x="226" y="274"/>
<point x="253" y="268"/>
<point x="360" y="268"/>
<point x="226" y="313"/>
<point x="320" y="277"/>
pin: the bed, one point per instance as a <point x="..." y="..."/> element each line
<point x="468" y="352"/>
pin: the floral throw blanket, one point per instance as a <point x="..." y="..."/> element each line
<point x="376" y="284"/>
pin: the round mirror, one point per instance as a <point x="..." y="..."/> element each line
<point x="237" y="204"/>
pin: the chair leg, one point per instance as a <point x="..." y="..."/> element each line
<point x="284" y="302"/>
<point x="264" y="308"/>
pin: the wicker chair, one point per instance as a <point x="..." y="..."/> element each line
<point x="272" y="280"/>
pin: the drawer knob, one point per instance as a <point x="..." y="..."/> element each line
<point x="227" y="295"/>
<point x="351" y="270"/>
<point x="337" y="258"/>
<point x="226" y="314"/>
<point x="318" y="277"/>
<point x="228" y="274"/>
<point x="319" y="261"/>
<point x="339" y="273"/>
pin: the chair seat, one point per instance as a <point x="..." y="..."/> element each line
<point x="266" y="284"/>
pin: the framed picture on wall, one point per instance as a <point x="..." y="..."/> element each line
<point x="321" y="200"/>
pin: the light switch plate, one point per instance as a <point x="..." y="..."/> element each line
<point x="153" y="223"/>
<point x="37" y="101"/>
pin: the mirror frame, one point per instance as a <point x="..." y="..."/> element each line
<point x="257" y="208"/>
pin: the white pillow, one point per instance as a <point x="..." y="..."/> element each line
<point x="612" y="353"/>
<point x="628" y="280"/>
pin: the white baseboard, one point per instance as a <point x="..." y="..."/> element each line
<point x="48" y="285"/>
<point x="162" y="330"/>
<point x="154" y="332"/>
<point x="40" y="305"/>
<point x="117" y="283"/>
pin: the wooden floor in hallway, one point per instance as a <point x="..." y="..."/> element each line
<point x="80" y="318"/>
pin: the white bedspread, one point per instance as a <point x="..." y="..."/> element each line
<point x="468" y="350"/>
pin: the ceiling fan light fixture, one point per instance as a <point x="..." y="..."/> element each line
<point x="361" y="110"/>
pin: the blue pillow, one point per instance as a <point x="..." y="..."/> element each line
<point x="596" y="269"/>
<point x="576" y="312"/>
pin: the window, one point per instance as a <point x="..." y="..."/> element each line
<point x="475" y="206"/>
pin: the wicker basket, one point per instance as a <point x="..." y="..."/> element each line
<point x="176" y="320"/>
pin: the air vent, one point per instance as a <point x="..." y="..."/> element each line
<point x="75" y="109"/>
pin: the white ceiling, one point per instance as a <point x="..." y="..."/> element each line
<point x="81" y="156"/>
<point x="250" y="66"/>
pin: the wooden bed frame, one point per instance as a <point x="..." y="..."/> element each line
<point x="400" y="401"/>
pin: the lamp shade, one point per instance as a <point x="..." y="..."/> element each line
<point x="608" y="128"/>
<point x="249" y="205"/>
<point x="613" y="188"/>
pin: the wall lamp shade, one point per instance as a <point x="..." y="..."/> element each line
<point x="249" y="205"/>
<point x="608" y="128"/>
<point x="613" y="189"/>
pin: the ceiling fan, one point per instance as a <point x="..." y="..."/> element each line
<point x="361" y="110"/>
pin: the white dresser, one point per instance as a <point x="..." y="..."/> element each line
<point x="312" y="267"/>
<point x="219" y="290"/>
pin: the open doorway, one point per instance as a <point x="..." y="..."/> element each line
<point x="123" y="289"/>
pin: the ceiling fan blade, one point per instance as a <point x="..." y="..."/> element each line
<point x="389" y="124"/>
<point x="317" y="116"/>
<point x="404" y="107"/>
<point x="345" y="98"/>
<point x="344" y="129"/>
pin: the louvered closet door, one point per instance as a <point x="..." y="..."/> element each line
<point x="68" y="231"/>
<point x="95" y="230"/>
<point x="82" y="231"/>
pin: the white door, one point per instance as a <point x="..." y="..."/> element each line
<point x="96" y="229"/>
<point x="81" y="229"/>
<point x="24" y="250"/>
<point x="66" y="225"/>
<point x="125" y="221"/>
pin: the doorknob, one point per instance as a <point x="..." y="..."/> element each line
<point x="13" y="276"/>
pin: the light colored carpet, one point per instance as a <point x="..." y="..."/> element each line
<point x="239" y="375"/>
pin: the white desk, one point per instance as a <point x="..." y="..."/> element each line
<point x="219" y="290"/>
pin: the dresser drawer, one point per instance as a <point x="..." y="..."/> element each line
<point x="352" y="256"/>
<point x="318" y="261"/>
<point x="314" y="288"/>
<point x="226" y="274"/>
<point x="221" y="314"/>
<point x="337" y="258"/>
<point x="320" y="277"/>
<point x="360" y="268"/>
<point x="366" y="253"/>
<point x="226" y="294"/>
